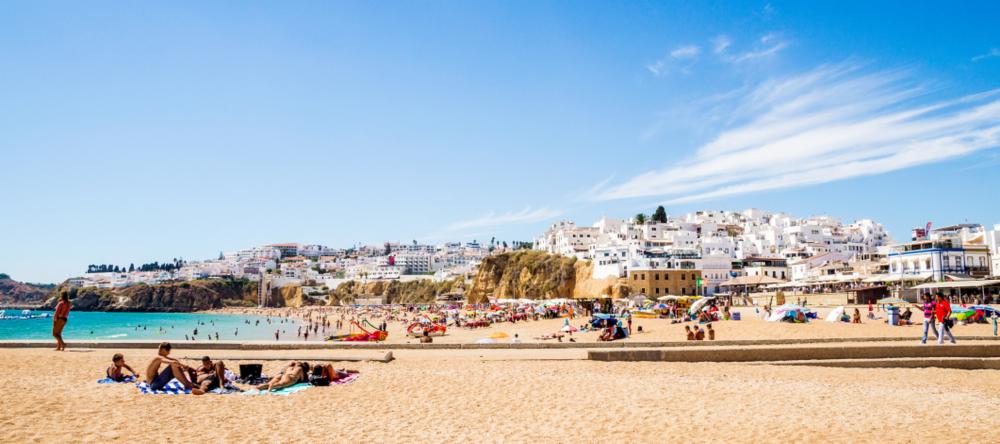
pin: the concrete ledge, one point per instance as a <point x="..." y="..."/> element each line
<point x="296" y="345"/>
<point x="956" y="363"/>
<point x="772" y="354"/>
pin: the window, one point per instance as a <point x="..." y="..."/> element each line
<point x="682" y="276"/>
<point x="635" y="277"/>
<point x="656" y="276"/>
<point x="693" y="278"/>
<point x="657" y="290"/>
<point x="684" y="291"/>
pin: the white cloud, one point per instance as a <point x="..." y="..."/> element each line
<point x="685" y="52"/>
<point x="770" y="44"/>
<point x="995" y="52"/>
<point x="491" y="219"/>
<point x="832" y="123"/>
<point x="664" y="65"/>
<point x="720" y="43"/>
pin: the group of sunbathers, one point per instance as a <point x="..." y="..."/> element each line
<point x="211" y="375"/>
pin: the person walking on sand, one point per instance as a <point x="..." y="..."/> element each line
<point x="59" y="321"/>
<point x="943" y="311"/>
<point x="929" y="324"/>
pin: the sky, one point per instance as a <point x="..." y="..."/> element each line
<point x="146" y="131"/>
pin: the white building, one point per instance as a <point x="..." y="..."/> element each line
<point x="993" y="247"/>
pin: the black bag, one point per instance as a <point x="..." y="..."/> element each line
<point x="949" y="322"/>
<point x="250" y="372"/>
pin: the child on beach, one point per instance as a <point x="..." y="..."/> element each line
<point x="711" y="332"/>
<point x="690" y="334"/>
<point x="700" y="334"/>
<point x="116" y="371"/>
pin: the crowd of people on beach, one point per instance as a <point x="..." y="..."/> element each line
<point x="211" y="375"/>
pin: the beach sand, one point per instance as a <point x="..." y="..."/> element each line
<point x="503" y="396"/>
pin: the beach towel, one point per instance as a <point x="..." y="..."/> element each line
<point x="112" y="381"/>
<point x="174" y="387"/>
<point x="351" y="377"/>
<point x="281" y="392"/>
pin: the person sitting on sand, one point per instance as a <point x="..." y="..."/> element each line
<point x="699" y="335"/>
<point x="426" y="338"/>
<point x="174" y="370"/>
<point x="690" y="334"/>
<point x="711" y="332"/>
<point x="295" y="373"/>
<point x="324" y="375"/>
<point x="857" y="316"/>
<point x="211" y="375"/>
<point x="116" y="372"/>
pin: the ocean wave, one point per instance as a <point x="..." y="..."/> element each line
<point x="119" y="335"/>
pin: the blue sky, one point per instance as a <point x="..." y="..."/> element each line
<point x="147" y="131"/>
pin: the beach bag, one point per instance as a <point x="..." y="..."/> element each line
<point x="250" y="372"/>
<point x="949" y="322"/>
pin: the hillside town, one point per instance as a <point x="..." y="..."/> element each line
<point x="718" y="252"/>
<point x="704" y="253"/>
<point x="296" y="264"/>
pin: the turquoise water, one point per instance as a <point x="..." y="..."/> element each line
<point x="150" y="326"/>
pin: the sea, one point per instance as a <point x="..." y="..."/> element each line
<point x="111" y="326"/>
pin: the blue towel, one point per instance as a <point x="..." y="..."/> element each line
<point x="112" y="381"/>
<point x="174" y="387"/>
<point x="282" y="392"/>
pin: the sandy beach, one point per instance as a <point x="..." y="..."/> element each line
<point x="662" y="330"/>
<point x="504" y="396"/>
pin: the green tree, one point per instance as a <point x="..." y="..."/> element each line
<point x="660" y="215"/>
<point x="640" y="218"/>
<point x="131" y="268"/>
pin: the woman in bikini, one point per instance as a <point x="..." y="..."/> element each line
<point x="295" y="373"/>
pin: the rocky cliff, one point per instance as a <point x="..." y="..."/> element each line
<point x="168" y="297"/>
<point x="538" y="275"/>
<point x="396" y="292"/>
<point x="22" y="293"/>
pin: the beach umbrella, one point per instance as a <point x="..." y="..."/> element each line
<point x="696" y="306"/>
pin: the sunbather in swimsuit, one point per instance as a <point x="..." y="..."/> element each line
<point x="291" y="375"/>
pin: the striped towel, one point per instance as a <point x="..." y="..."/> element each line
<point x="174" y="387"/>
<point x="112" y="381"/>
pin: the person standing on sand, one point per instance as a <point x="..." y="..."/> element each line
<point x="929" y="324"/>
<point x="943" y="311"/>
<point x="59" y="321"/>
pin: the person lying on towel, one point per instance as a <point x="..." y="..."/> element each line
<point x="295" y="373"/>
<point x="323" y="375"/>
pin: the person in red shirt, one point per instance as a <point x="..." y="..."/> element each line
<point x="943" y="311"/>
<point x="59" y="321"/>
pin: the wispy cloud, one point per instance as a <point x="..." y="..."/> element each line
<point x="995" y="52"/>
<point x="685" y="52"/>
<point x="832" y="123"/>
<point x="768" y="45"/>
<point x="491" y="219"/>
<point x="720" y="43"/>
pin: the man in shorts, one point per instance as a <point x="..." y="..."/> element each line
<point x="211" y="375"/>
<point x="172" y="369"/>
